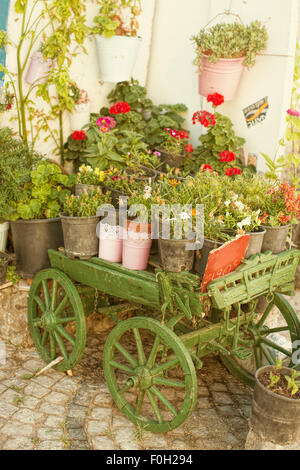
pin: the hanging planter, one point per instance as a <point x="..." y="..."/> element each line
<point x="39" y="69"/>
<point x="222" y="52"/>
<point x="4" y="227"/>
<point x="117" y="57"/>
<point x="222" y="77"/>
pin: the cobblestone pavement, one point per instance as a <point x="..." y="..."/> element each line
<point x="56" y="411"/>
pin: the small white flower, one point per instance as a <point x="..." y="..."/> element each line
<point x="148" y="189"/>
<point x="235" y="197"/>
<point x="147" y="195"/>
<point x="184" y="216"/>
<point x="240" y="205"/>
<point x="227" y="203"/>
<point x="244" y="223"/>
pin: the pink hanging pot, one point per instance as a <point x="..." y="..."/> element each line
<point x="38" y="70"/>
<point x="110" y="243"/>
<point x="222" y="77"/>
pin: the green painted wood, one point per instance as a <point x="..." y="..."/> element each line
<point x="147" y="375"/>
<point x="54" y="303"/>
<point x="263" y="274"/>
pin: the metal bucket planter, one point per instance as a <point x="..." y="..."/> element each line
<point x="273" y="417"/>
<point x="80" y="236"/>
<point x="32" y="239"/>
<point x="222" y="77"/>
<point x="202" y="255"/>
<point x="117" y="56"/>
<point x="174" y="255"/>
<point x="80" y="116"/>
<point x="3" y="267"/>
<point x="275" y="239"/>
<point x="85" y="188"/>
<point x="38" y="70"/>
<point x="170" y="159"/>
<point x="255" y="243"/>
<point x="4" y="227"/>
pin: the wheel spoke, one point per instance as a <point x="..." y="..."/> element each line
<point x="65" y="334"/>
<point x="274" y="330"/>
<point x="154" y="406"/>
<point x="61" y="321"/>
<point x="46" y="294"/>
<point x="54" y="295"/>
<point x="139" y="403"/>
<point x="265" y="315"/>
<point x="125" y="389"/>
<point x="127" y="355"/>
<point x="152" y="356"/>
<point x="168" y="382"/>
<point x="61" y="345"/>
<point x="52" y="347"/>
<point x="267" y="354"/>
<point x="122" y="367"/>
<point x="45" y="337"/>
<point x="139" y="346"/>
<point x="165" y="366"/>
<point x="257" y="357"/>
<point x="40" y="303"/>
<point x="276" y="347"/>
<point x="37" y="322"/>
<point x="61" y="306"/>
<point x="163" y="399"/>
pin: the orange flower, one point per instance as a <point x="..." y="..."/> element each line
<point x="174" y="183"/>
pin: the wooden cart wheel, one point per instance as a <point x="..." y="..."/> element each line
<point x="150" y="374"/>
<point x="56" y="318"/>
<point x="259" y="335"/>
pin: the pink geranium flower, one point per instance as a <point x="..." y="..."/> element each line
<point x="293" y="112"/>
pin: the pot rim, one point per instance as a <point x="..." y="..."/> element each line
<point x="35" y="221"/>
<point x="269" y="392"/>
<point x="222" y="59"/>
<point x="63" y="215"/>
<point x="261" y="231"/>
<point x="119" y="36"/>
<point x="280" y="227"/>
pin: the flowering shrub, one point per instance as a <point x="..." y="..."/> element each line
<point x="175" y="142"/>
<point x="232" y="171"/>
<point x="239" y="217"/>
<point x="216" y="99"/>
<point x="6" y="100"/>
<point x="78" y="135"/>
<point x="106" y="123"/>
<point x="281" y="206"/>
<point x="120" y="108"/>
<point x="86" y="204"/>
<point x="83" y="97"/>
<point x="88" y="175"/>
<point x="205" y="118"/>
<point x="227" y="156"/>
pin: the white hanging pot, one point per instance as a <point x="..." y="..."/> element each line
<point x="38" y="70"/>
<point x="80" y="116"/>
<point x="4" y="227"/>
<point x="117" y="56"/>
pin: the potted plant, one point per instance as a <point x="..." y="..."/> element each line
<point x="222" y="52"/>
<point x="79" y="222"/>
<point x="281" y="209"/>
<point x="88" y="179"/>
<point x="173" y="148"/>
<point x="80" y="116"/>
<point x="117" y="42"/>
<point x="275" y="413"/>
<point x="33" y="192"/>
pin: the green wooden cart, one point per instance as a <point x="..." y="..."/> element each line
<point x="150" y="360"/>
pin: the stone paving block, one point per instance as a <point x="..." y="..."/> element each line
<point x="226" y="410"/>
<point x="76" y="411"/>
<point x="203" y="391"/>
<point x="36" y="390"/>
<point x="49" y="434"/>
<point x="103" y="399"/>
<point x="97" y="427"/>
<point x="2" y="388"/>
<point x="120" y="420"/>
<point x="34" y="364"/>
<point x="101" y="413"/>
<point x="57" y="398"/>
<point x="29" y="402"/>
<point x="53" y="421"/>
<point x="51" y="445"/>
<point x="102" y="443"/>
<point x="66" y="385"/>
<point x="8" y="396"/>
<point x="28" y="416"/>
<point x="222" y="398"/>
<point x="126" y="440"/>
<point x="77" y="434"/>
<point x="19" y="443"/>
<point x="6" y="410"/>
<point x="49" y="408"/>
<point x="154" y="441"/>
<point x="13" y="428"/>
<point x="218" y="387"/>
<point x="203" y="403"/>
<point x="14" y="382"/>
<point x="45" y="380"/>
<point x="79" y="445"/>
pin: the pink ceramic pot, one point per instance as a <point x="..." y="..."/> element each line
<point x="222" y="77"/>
<point x="136" y="254"/>
<point x="38" y="70"/>
<point x="110" y="243"/>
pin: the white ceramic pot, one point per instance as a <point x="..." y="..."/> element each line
<point x="117" y="56"/>
<point x="4" y="227"/>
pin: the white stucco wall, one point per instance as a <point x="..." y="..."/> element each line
<point x="165" y="63"/>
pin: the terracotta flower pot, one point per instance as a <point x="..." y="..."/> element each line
<point x="222" y="77"/>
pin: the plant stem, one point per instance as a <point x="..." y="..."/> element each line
<point x="61" y="139"/>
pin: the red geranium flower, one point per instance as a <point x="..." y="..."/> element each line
<point x="207" y="167"/>
<point x="232" y="171"/>
<point x="189" y="148"/>
<point x="205" y="118"/>
<point x="216" y="99"/>
<point x="79" y="135"/>
<point x="121" y="107"/>
<point x="227" y="156"/>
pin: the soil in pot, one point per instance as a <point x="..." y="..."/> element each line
<point x="170" y="159"/>
<point x="32" y="239"/>
<point x="255" y="243"/>
<point x="275" y="417"/>
<point x="3" y="267"/>
<point x="80" y="236"/>
<point x="275" y="238"/>
<point x="174" y="255"/>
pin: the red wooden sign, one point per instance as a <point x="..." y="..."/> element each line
<point x="225" y="260"/>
